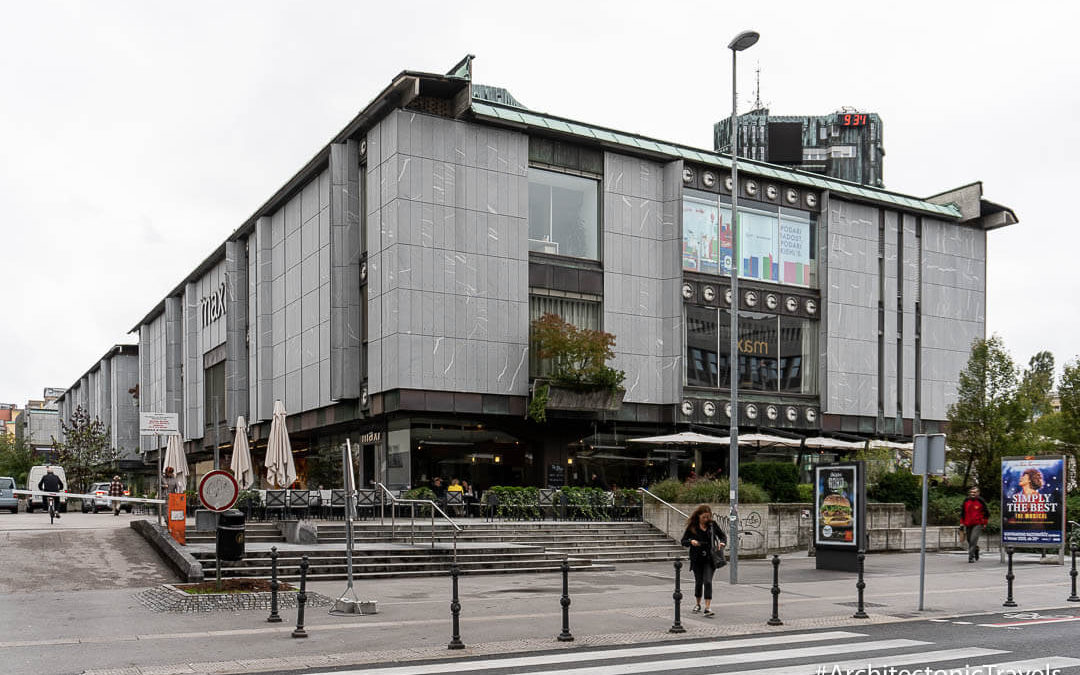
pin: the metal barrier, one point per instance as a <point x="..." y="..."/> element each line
<point x="394" y="501"/>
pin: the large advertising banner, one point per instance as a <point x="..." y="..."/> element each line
<point x="1033" y="500"/>
<point x="758" y="246"/>
<point x="836" y="516"/>
<point x="794" y="251"/>
<point x="701" y="245"/>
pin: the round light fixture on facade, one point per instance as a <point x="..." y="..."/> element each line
<point x="727" y="409"/>
<point x="750" y="298"/>
<point x="727" y="295"/>
<point x="751" y="187"/>
<point x="811" y="415"/>
<point x="363" y="146"/>
<point x="708" y="178"/>
<point x="363" y="271"/>
<point x="811" y="306"/>
<point x="687" y="408"/>
<point x="709" y="293"/>
<point x="791" y="413"/>
<point x="751" y="411"/>
<point x="770" y="191"/>
<point x="687" y="175"/>
<point x="687" y="291"/>
<point x="771" y="301"/>
<point x="772" y="413"/>
<point x="363" y="396"/>
<point x="811" y="199"/>
<point x="791" y="304"/>
<point x="791" y="196"/>
<point x="709" y="408"/>
<point x="727" y="183"/>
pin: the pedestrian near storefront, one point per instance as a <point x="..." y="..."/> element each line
<point x="706" y="542"/>
<point x="974" y="514"/>
<point x="169" y="482"/>
<point x="116" y="489"/>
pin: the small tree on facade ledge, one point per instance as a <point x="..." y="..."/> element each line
<point x="577" y="358"/>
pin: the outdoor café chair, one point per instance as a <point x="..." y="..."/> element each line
<point x="275" y="503"/>
<point x="298" y="502"/>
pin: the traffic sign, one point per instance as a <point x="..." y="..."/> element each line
<point x="218" y="490"/>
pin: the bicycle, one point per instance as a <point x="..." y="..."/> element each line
<point x="52" y="509"/>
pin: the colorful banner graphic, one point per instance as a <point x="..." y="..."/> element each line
<point x="836" y="516"/>
<point x="1033" y="500"/>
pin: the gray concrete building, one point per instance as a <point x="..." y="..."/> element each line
<point x="384" y="294"/>
<point x="109" y="392"/>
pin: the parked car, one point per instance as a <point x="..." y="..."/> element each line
<point x="32" y="480"/>
<point x="8" y="500"/>
<point x="101" y="502"/>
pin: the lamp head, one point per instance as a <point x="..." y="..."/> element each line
<point x="743" y="40"/>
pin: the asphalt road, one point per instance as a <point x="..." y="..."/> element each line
<point x="1003" y="643"/>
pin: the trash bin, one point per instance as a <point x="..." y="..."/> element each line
<point x="230" y="535"/>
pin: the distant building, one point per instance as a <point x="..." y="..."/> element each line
<point x="108" y="392"/>
<point x="9" y="412"/>
<point x="845" y="145"/>
<point x="38" y="423"/>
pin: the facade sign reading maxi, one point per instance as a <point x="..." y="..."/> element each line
<point x="1032" y="500"/>
<point x="213" y="307"/>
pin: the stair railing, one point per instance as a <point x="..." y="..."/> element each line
<point x="667" y="513"/>
<point x="394" y="501"/>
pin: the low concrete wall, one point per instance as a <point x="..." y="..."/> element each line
<point x="180" y="560"/>
<point x="776" y="528"/>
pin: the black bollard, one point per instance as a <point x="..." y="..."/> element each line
<point x="1009" y="576"/>
<point x="455" y="611"/>
<point x="677" y="627"/>
<point x="774" y="620"/>
<point x="1072" y="573"/>
<point x="301" y="600"/>
<point x="565" y="635"/>
<point x="274" y="585"/>
<point x="861" y="586"/>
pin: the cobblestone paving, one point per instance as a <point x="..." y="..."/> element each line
<point x="168" y="599"/>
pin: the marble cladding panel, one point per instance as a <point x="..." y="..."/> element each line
<point x="955" y="240"/>
<point x="856" y="356"/>
<point x="943" y="269"/>
<point x="851" y="394"/>
<point x="214" y="333"/>
<point x="950" y="333"/>
<point x="447" y="227"/>
<point x="847" y="287"/>
<point x="193" y="366"/>
<point x="855" y="221"/>
<point x="853" y="322"/>
<point x="236" y="322"/>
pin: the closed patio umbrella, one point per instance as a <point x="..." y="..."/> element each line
<point x="280" y="469"/>
<point x="175" y="457"/>
<point x="241" y="459"/>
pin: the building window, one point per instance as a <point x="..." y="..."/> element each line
<point x="777" y="245"/>
<point x="563" y="214"/>
<point x="776" y="354"/>
<point x="214" y="392"/>
<point x="580" y="312"/>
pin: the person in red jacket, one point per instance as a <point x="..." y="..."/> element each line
<point x="974" y="515"/>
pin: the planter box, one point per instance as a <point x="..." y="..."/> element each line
<point x="565" y="398"/>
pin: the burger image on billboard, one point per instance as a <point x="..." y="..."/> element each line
<point x="836" y="511"/>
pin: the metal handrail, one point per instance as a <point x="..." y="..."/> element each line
<point x="413" y="502"/>
<point x="667" y="514"/>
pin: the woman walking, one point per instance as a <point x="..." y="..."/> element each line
<point x="704" y="538"/>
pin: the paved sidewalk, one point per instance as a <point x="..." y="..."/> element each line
<point x="109" y="631"/>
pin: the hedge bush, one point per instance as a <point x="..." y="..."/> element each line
<point x="780" y="479"/>
<point x="898" y="486"/>
<point x="806" y="492"/>
<point x="704" y="491"/>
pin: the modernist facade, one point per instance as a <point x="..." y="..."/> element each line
<point x="384" y="294"/>
<point x="109" y="392"/>
<point x="846" y="144"/>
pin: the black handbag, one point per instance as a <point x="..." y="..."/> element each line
<point x="717" y="553"/>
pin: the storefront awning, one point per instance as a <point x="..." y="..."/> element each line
<point x="820" y="442"/>
<point x="684" y="438"/>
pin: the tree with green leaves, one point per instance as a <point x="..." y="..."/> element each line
<point x="1037" y="385"/>
<point x="1069" y="394"/>
<point x="85" y="453"/>
<point x="16" y="457"/>
<point x="578" y="356"/>
<point x="990" y="418"/>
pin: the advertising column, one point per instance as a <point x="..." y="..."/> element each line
<point x="1033" y="501"/>
<point x="839" y="515"/>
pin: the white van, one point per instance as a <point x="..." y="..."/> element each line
<point x="32" y="480"/>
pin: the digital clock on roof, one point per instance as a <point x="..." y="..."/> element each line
<point x="852" y="119"/>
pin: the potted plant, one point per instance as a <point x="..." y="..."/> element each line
<point x="578" y="376"/>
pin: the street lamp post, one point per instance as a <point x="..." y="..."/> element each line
<point x="743" y="40"/>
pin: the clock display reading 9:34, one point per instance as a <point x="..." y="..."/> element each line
<point x="853" y="119"/>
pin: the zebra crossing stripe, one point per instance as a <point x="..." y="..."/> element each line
<point x="719" y="660"/>
<point x="917" y="658"/>
<point x="1045" y="665"/>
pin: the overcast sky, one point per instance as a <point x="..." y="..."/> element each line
<point x="135" y="136"/>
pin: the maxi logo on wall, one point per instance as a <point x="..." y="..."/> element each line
<point x="1033" y="500"/>
<point x="213" y="307"/>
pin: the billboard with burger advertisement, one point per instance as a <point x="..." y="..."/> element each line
<point x="836" y="518"/>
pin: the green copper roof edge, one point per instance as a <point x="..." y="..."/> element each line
<point x="485" y="109"/>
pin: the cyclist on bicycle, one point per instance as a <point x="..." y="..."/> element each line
<point x="50" y="482"/>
